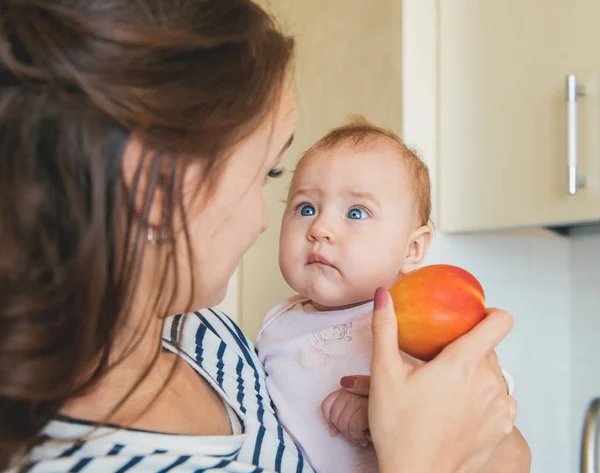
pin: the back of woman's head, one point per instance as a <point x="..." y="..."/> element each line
<point x="191" y="77"/>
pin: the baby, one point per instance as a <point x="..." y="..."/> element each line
<point x="356" y="219"/>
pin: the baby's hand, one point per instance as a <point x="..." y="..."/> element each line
<point x="346" y="413"/>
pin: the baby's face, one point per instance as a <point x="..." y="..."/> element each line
<point x="347" y="224"/>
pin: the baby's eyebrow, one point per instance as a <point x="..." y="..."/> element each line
<point x="306" y="191"/>
<point x="363" y="195"/>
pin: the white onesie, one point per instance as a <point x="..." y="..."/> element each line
<point x="305" y="353"/>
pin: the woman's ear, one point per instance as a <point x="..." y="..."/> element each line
<point x="417" y="248"/>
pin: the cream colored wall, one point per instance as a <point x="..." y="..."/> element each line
<point x="348" y="61"/>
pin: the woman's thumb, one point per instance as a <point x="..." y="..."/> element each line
<point x="385" y="331"/>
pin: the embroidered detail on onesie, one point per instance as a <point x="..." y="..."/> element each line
<point x="331" y="342"/>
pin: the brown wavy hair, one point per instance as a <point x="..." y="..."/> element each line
<point x="193" y="78"/>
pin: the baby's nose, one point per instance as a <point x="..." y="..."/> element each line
<point x="321" y="230"/>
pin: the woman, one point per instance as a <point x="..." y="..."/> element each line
<point x="135" y="137"/>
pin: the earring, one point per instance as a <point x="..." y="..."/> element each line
<point x="154" y="237"/>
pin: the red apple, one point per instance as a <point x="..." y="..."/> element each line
<point x="434" y="306"/>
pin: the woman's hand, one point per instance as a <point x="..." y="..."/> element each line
<point x="346" y="410"/>
<point x="447" y="416"/>
<point x="347" y="415"/>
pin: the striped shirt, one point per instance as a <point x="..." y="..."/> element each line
<point x="216" y="348"/>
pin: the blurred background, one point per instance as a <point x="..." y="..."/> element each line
<point x="482" y="91"/>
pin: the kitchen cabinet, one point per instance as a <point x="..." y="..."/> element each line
<point x="501" y="118"/>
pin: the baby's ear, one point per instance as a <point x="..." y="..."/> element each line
<point x="418" y="246"/>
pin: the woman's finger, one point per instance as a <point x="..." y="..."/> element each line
<point x="485" y="336"/>
<point x="513" y="409"/>
<point x="493" y="358"/>
<point x="358" y="384"/>
<point x="386" y="354"/>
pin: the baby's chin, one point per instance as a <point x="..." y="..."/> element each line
<point x="327" y="302"/>
<point x="325" y="293"/>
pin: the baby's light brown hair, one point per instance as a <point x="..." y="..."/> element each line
<point x="360" y="132"/>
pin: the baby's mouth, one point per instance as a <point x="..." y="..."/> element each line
<point x="317" y="259"/>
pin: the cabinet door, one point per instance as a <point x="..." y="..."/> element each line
<point x="503" y="115"/>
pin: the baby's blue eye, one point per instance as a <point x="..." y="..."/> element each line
<point x="306" y="210"/>
<point x="356" y="213"/>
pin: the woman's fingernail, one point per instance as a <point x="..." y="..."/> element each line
<point x="333" y="431"/>
<point x="381" y="298"/>
<point x="348" y="382"/>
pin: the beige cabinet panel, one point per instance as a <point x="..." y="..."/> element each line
<point x="502" y="158"/>
<point x="348" y="61"/>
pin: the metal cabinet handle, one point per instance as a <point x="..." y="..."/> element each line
<point x="573" y="90"/>
<point x="589" y="445"/>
